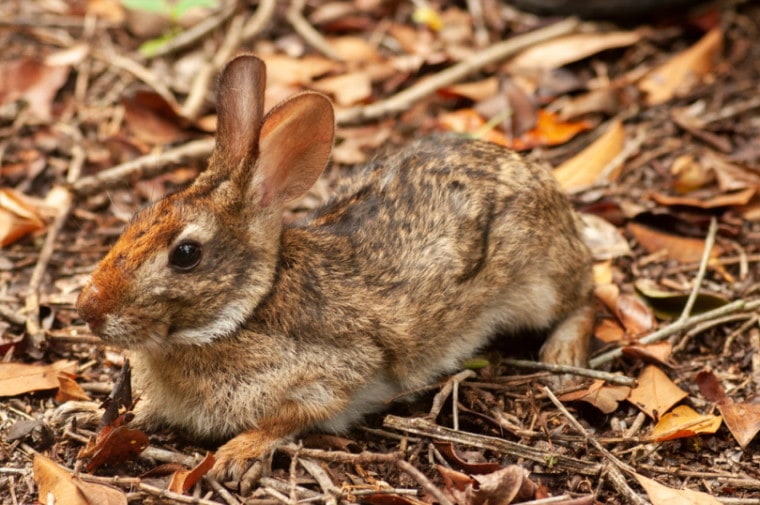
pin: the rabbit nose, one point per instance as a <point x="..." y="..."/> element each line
<point x="88" y="305"/>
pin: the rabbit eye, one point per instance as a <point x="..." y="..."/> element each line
<point x="186" y="255"/>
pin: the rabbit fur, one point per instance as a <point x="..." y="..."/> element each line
<point x="417" y="261"/>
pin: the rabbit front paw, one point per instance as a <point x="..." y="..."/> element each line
<point x="234" y="458"/>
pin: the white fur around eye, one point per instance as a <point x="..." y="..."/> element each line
<point x="200" y="231"/>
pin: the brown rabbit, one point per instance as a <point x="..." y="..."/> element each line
<point x="243" y="326"/>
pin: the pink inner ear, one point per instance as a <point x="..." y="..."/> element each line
<point x="296" y="141"/>
<point x="240" y="106"/>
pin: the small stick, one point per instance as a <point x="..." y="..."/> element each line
<point x="340" y="456"/>
<point x="709" y="242"/>
<point x="499" y="51"/>
<point x="260" y="19"/>
<point x="150" y="165"/>
<point x="196" y="32"/>
<point x="679" y="325"/>
<point x="221" y="490"/>
<point x="440" y="397"/>
<point x="308" y="32"/>
<point x="611" y="378"/>
<point x="331" y="492"/>
<point x="423" y="481"/>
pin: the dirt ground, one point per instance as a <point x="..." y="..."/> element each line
<point x="650" y="124"/>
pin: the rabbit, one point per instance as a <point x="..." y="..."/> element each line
<point x="241" y="326"/>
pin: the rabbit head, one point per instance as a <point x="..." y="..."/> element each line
<point x="193" y="266"/>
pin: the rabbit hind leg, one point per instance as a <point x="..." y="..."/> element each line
<point x="568" y="344"/>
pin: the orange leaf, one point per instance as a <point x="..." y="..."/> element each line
<point x="19" y="378"/>
<point x="57" y="485"/>
<point x="684" y="422"/>
<point x="605" y="398"/>
<point x="470" y="122"/>
<point x="19" y="215"/>
<point x="585" y="168"/>
<point x="183" y="480"/>
<point x="681" y="249"/>
<point x="115" y="445"/>
<point x="681" y="70"/>
<point x="657" y="352"/>
<point x="348" y="88"/>
<point x="736" y="198"/>
<point x="655" y="393"/>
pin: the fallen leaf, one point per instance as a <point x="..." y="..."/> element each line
<point x="663" y="495"/>
<point x="183" y="480"/>
<point x="468" y="121"/>
<point x="354" y="49"/>
<point x="57" y="485"/>
<point x="655" y="393"/>
<point x="587" y="167"/>
<point x="450" y="453"/>
<point x="609" y="331"/>
<point x="69" y="389"/>
<point x="670" y="305"/>
<point x="603" y="238"/>
<point x="684" y="422"/>
<point x="114" y="445"/>
<point x="152" y="119"/>
<point x="19" y="378"/>
<point x="282" y="69"/>
<point x="602" y="272"/>
<point x="500" y="487"/>
<point x="682" y="70"/>
<point x="560" y="51"/>
<point x="690" y="174"/>
<point x="633" y="313"/>
<point x="347" y="89"/>
<point x="681" y="249"/>
<point x="19" y="216"/>
<point x="32" y="81"/>
<point x="550" y="130"/>
<point x="605" y="398"/>
<point x="731" y="176"/>
<point x="741" y="197"/>
<point x="475" y="91"/>
<point x="742" y="419"/>
<point x="656" y="353"/>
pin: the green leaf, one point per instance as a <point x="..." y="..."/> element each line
<point x="150" y="47"/>
<point x="157" y="6"/>
<point x="182" y="6"/>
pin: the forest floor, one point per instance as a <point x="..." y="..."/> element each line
<point x="652" y="127"/>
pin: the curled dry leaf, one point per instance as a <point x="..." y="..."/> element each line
<point x="655" y="393"/>
<point x="603" y="238"/>
<point x="605" y="398"/>
<point x="588" y="166"/>
<point x="609" y="331"/>
<point x="681" y="249"/>
<point x="69" y="389"/>
<point x="663" y="495"/>
<point x="19" y="378"/>
<point x="736" y="198"/>
<point x="57" y="485"/>
<point x="500" y="487"/>
<point x="560" y="51"/>
<point x="634" y="314"/>
<point x="183" y="480"/>
<point x="114" y="445"/>
<point x="682" y="70"/>
<point x="450" y="453"/>
<point x="690" y="174"/>
<point x="684" y="422"/>
<point x="19" y="216"/>
<point x="742" y="419"/>
<point x="657" y="352"/>
<point x="475" y="91"/>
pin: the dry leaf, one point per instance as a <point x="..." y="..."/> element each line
<point x="655" y="393"/>
<point x="669" y="305"/>
<point x="34" y="82"/>
<point x="684" y="422"/>
<point x="681" y="249"/>
<point x="347" y="89"/>
<point x="56" y="485"/>
<point x="609" y="331"/>
<point x="475" y="91"/>
<point x="183" y="480"/>
<point x="742" y="419"/>
<point x="354" y="49"/>
<point x="635" y="315"/>
<point x="19" y="216"/>
<point x="470" y="122"/>
<point x="657" y="352"/>
<point x="152" y="119"/>
<point x="681" y="70"/>
<point x="605" y="398"/>
<point x="585" y="168"/>
<point x="602" y="272"/>
<point x="19" y="378"/>
<point x="113" y="445"/>
<point x="560" y="51"/>
<point x="741" y="197"/>
<point x="283" y="69"/>
<point x="69" y="389"/>
<point x="663" y="495"/>
<point x="603" y="238"/>
<point x="448" y="450"/>
<point x="690" y="174"/>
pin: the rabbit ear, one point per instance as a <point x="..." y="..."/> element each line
<point x="296" y="140"/>
<point x="240" y="106"/>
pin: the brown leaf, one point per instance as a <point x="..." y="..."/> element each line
<point x="742" y="419"/>
<point x="503" y="486"/>
<point x="69" y="389"/>
<point x="152" y="119"/>
<point x="570" y="48"/>
<point x="655" y="393"/>
<point x="585" y="168"/>
<point x="603" y="238"/>
<point x="682" y="70"/>
<point x="741" y="197"/>
<point x="301" y="71"/>
<point x="450" y="452"/>
<point x="635" y="315"/>
<point x="183" y="480"/>
<point x="34" y="82"/>
<point x="690" y="174"/>
<point x="354" y="49"/>
<point x="681" y="249"/>
<point x="56" y="485"/>
<point x="605" y="398"/>
<point x="347" y="89"/>
<point x="663" y="495"/>
<point x="18" y="378"/>
<point x="656" y="353"/>
<point x="609" y="331"/>
<point x="114" y="445"/>
<point x="19" y="216"/>
<point x="684" y="422"/>
<point x="475" y="91"/>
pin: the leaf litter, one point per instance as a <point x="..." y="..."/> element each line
<point x="649" y="128"/>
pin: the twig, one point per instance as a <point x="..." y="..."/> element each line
<point x="421" y="426"/>
<point x="221" y="490"/>
<point x="331" y="492"/>
<point x="423" y="481"/>
<point x="260" y="19"/>
<point x="709" y="242"/>
<point x="145" y="167"/>
<point x="443" y="394"/>
<point x="612" y="378"/>
<point x="617" y="479"/>
<point x="680" y="344"/>
<point x="305" y="30"/>
<point x="199" y="89"/>
<point x="11" y="316"/>
<point x="679" y="325"/>
<point x="752" y="321"/>
<point x="499" y="51"/>
<point x="196" y="32"/>
<point x="340" y="456"/>
<point x="32" y="302"/>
